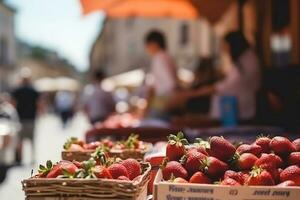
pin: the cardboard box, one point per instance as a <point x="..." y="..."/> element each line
<point x="176" y="191"/>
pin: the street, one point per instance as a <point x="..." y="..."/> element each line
<point x="50" y="137"/>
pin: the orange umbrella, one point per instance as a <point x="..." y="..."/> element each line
<point x="142" y="8"/>
<point x="182" y="9"/>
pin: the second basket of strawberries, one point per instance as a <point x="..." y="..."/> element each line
<point x="132" y="147"/>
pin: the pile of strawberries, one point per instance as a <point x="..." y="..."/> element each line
<point x="98" y="166"/>
<point x="265" y="162"/>
<point x="131" y="143"/>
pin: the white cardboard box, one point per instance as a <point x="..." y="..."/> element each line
<point x="177" y="191"/>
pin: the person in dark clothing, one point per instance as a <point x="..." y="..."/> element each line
<point x="25" y="98"/>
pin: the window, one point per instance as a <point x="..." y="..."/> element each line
<point x="184" y="34"/>
<point x="3" y="51"/>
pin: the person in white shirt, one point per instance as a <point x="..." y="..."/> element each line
<point x="162" y="79"/>
<point x="98" y="103"/>
<point x="242" y="81"/>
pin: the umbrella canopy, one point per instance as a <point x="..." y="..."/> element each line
<point x="181" y="9"/>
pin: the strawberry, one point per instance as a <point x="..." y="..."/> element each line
<point x="221" y="148"/>
<point x="286" y="184"/>
<point x="291" y="173"/>
<point x="259" y="176"/>
<point x="75" y="147"/>
<point x="213" y="167"/>
<point x="77" y="164"/>
<point x="294" y="159"/>
<point x="123" y="178"/>
<point x="282" y="146"/>
<point x="238" y="176"/>
<point x="200" y="178"/>
<point x="179" y="180"/>
<point x="192" y="161"/>
<point x="62" y="168"/>
<point x="92" y="145"/>
<point x="297" y="144"/>
<point x="199" y="149"/>
<point x="74" y="144"/>
<point x="133" y="168"/>
<point x="175" y="147"/>
<point x="249" y="148"/>
<point x="263" y="142"/>
<point x="201" y="146"/>
<point x="230" y="181"/>
<point x="117" y="170"/>
<point x="44" y="170"/>
<point x="108" y="143"/>
<point x="269" y="159"/>
<point x="173" y="168"/>
<point x="101" y="172"/>
<point x="245" y="161"/>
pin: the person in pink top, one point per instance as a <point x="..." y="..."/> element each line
<point x="242" y="81"/>
<point x="161" y="81"/>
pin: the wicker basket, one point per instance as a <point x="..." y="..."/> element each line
<point x="86" y="189"/>
<point x="123" y="154"/>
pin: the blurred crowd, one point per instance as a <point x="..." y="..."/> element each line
<point x="215" y="96"/>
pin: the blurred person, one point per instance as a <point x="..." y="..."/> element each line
<point x="205" y="75"/>
<point x="26" y="100"/>
<point x="64" y="103"/>
<point x="242" y="81"/>
<point x="98" y="104"/>
<point x="162" y="79"/>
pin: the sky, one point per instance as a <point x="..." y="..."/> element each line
<point x="58" y="25"/>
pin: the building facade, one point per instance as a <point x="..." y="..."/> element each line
<point x="120" y="46"/>
<point x="7" y="45"/>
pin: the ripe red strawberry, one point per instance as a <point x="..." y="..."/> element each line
<point x="108" y="143"/>
<point x="116" y="170"/>
<point x="245" y="161"/>
<point x="200" y="178"/>
<point x="133" y="167"/>
<point x="259" y="176"/>
<point x="286" y="184"/>
<point x="123" y="178"/>
<point x="74" y="144"/>
<point x="173" y="168"/>
<point x="291" y="173"/>
<point x="201" y="146"/>
<point x="199" y="149"/>
<point x="263" y="142"/>
<point x="101" y="172"/>
<point x="92" y="145"/>
<point x="213" y="167"/>
<point x="230" y="181"/>
<point x="175" y="147"/>
<point x="77" y="164"/>
<point x="249" y="148"/>
<point x="282" y="146"/>
<point x="294" y="159"/>
<point x="75" y="147"/>
<point x="269" y="159"/>
<point x="297" y="144"/>
<point x="221" y="148"/>
<point x="61" y="168"/>
<point x="192" y="161"/>
<point x="238" y="176"/>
